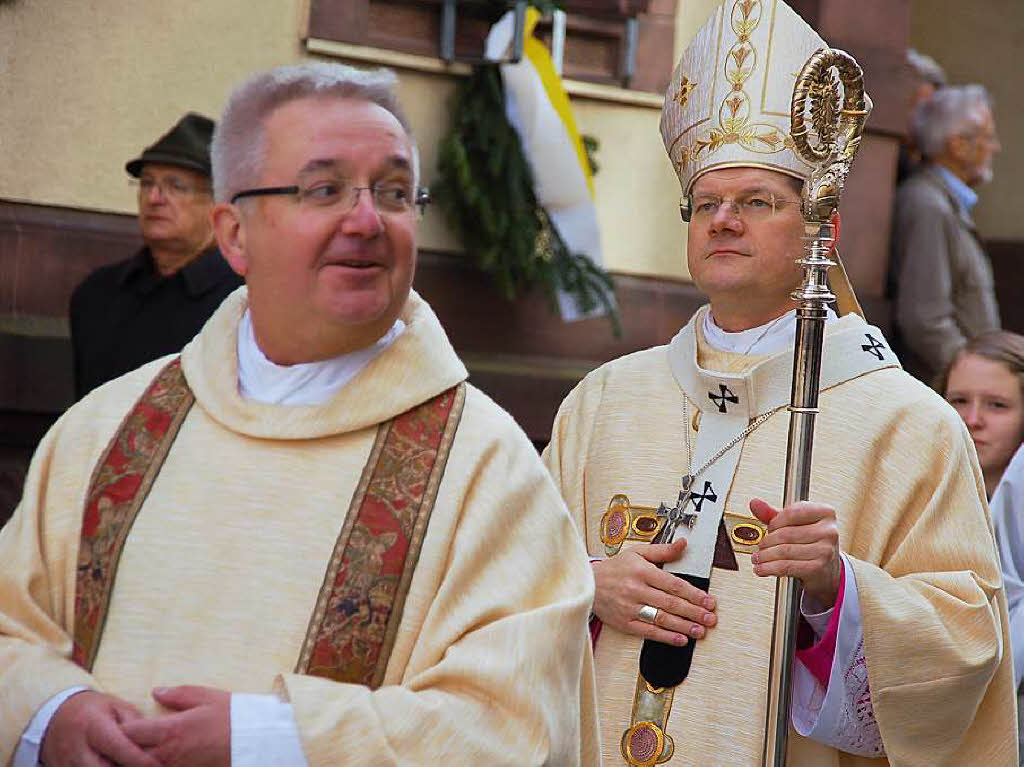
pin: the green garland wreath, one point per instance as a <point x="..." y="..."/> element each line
<point x="486" y="193"/>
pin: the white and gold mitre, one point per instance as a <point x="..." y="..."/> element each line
<point x="728" y="103"/>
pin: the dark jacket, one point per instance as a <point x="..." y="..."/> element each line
<point x="126" y="314"/>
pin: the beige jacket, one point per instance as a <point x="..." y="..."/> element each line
<point x="944" y="292"/>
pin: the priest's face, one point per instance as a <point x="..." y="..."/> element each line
<point x="742" y="254"/>
<point x="329" y="269"/>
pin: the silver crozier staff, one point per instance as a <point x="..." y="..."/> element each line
<point x="837" y="117"/>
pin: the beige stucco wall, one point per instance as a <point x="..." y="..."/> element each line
<point x="92" y="82"/>
<point x="87" y="84"/>
<point x="983" y="42"/>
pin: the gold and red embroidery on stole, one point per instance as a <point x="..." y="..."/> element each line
<point x="119" y="485"/>
<point x="360" y="605"/>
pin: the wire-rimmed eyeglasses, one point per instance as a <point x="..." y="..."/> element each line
<point x="169" y="187"/>
<point x="388" y="198"/>
<point x="750" y="206"/>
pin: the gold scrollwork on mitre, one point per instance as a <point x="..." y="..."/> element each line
<point x="623" y="521"/>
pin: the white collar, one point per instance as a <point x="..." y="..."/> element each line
<point x="770" y="338"/>
<point x="852" y="348"/>
<point x="306" y="383"/>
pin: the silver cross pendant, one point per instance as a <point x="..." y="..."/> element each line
<point x="677" y="515"/>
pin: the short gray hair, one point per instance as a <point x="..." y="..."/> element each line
<point x="926" y="69"/>
<point x="954" y="111"/>
<point x="238" y="149"/>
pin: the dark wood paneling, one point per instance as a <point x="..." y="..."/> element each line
<point x="533" y="398"/>
<point x="867" y="215"/>
<point x="876" y="33"/>
<point x="886" y="79"/>
<point x="616" y="9"/>
<point x="595" y="33"/>
<point x="480" y="321"/>
<point x="653" y="65"/>
<point x="37" y="374"/>
<point x="19" y="435"/>
<point x="46" y="251"/>
<point x="1007" y="257"/>
<point x="40" y="241"/>
<point x="14" y="463"/>
<point x="809" y="10"/>
<point x="886" y="23"/>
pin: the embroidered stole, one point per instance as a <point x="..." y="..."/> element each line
<point x="727" y="403"/>
<point x="119" y="485"/>
<point x="356" y="618"/>
<point x="355" y="621"/>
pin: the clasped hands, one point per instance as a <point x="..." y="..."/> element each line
<point x="802" y="541"/>
<point x="92" y="728"/>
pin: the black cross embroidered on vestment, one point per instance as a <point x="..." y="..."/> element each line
<point x="875" y="347"/>
<point x="721" y="399"/>
<point x="708" y="494"/>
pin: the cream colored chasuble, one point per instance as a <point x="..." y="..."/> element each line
<point x="896" y="463"/>
<point x="223" y="566"/>
<point x="728" y="403"/>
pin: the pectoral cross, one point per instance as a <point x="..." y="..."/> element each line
<point x="678" y="514"/>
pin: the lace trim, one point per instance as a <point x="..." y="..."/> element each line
<point x="858" y="729"/>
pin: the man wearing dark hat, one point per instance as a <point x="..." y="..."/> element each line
<point x="131" y="312"/>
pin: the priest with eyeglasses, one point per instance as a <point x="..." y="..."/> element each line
<point x="307" y="539"/>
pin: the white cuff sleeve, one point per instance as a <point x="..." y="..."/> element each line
<point x="27" y="754"/>
<point x="811" y="611"/>
<point x="841" y="715"/>
<point x="263" y="731"/>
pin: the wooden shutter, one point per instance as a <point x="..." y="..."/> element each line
<point x="595" y="33"/>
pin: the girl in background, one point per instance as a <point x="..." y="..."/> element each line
<point x="985" y="383"/>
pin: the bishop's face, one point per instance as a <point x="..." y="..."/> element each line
<point x="743" y="260"/>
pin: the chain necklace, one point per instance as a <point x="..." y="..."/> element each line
<point x="763" y="333"/>
<point x="679" y="515"/>
<point x="716" y="335"/>
<point x="692" y="475"/>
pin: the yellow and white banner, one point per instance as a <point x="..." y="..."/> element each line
<point x="538" y="108"/>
